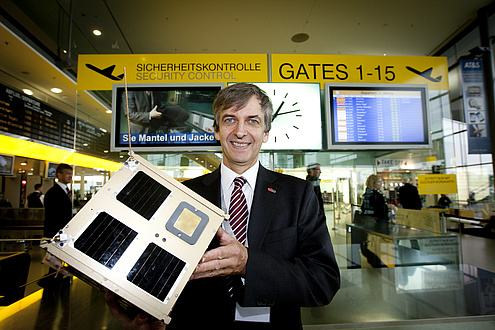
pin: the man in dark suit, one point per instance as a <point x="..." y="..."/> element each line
<point x="287" y="260"/>
<point x="34" y="198"/>
<point x="409" y="196"/>
<point x="58" y="202"/>
<point x="58" y="212"/>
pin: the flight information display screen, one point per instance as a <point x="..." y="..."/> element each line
<point x="377" y="117"/>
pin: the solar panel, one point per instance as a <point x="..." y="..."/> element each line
<point x="143" y="195"/>
<point x="105" y="240"/>
<point x="141" y="236"/>
<point x="156" y="271"/>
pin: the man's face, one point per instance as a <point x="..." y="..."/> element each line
<point x="65" y="177"/>
<point x="315" y="171"/>
<point x="241" y="134"/>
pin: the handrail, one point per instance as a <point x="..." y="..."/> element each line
<point x="20" y="240"/>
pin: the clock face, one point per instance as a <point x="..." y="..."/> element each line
<point x="296" y="117"/>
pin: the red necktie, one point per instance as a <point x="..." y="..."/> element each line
<point x="238" y="210"/>
<point x="69" y="193"/>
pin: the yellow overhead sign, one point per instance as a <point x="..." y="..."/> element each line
<point x="100" y="72"/>
<point x="429" y="70"/>
<point x="437" y="184"/>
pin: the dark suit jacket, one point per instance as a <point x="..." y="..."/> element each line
<point x="409" y="197"/>
<point x="34" y="200"/>
<point x="290" y="257"/>
<point x="58" y="210"/>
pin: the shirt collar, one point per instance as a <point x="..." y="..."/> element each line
<point x="62" y="185"/>
<point x="228" y="176"/>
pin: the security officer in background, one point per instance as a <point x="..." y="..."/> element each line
<point x="314" y="171"/>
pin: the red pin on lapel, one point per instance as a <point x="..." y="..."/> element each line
<point x="272" y="190"/>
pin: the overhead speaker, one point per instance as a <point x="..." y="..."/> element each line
<point x="141" y="236"/>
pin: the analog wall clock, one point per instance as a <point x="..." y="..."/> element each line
<point x="296" y="117"/>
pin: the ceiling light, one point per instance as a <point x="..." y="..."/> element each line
<point x="300" y="37"/>
<point x="23" y="164"/>
<point x="56" y="90"/>
<point x="109" y="111"/>
<point x="27" y="91"/>
<point x="97" y="32"/>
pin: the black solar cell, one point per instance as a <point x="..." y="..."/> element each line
<point x="105" y="239"/>
<point x="143" y="194"/>
<point x="156" y="271"/>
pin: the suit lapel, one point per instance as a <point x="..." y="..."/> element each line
<point x="263" y="208"/>
<point x="62" y="191"/>
<point x="211" y="189"/>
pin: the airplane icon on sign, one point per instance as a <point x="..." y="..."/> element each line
<point x="107" y="72"/>
<point x="425" y="74"/>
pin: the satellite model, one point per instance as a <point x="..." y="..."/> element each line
<point x="141" y="236"/>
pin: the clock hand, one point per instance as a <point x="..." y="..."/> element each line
<point x="284" y="113"/>
<point x="278" y="110"/>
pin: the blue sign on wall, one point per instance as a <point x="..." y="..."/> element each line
<point x="475" y="106"/>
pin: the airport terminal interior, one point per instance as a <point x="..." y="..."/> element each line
<point x="432" y="267"/>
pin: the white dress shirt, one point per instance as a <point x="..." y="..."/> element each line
<point x="227" y="186"/>
<point x="246" y="314"/>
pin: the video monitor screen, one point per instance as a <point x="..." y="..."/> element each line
<point x="164" y="117"/>
<point x="6" y="164"/>
<point x="377" y="116"/>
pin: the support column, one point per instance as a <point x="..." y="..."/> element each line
<point x="484" y="28"/>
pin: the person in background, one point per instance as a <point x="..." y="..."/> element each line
<point x="471" y="200"/>
<point x="56" y="293"/>
<point x="58" y="202"/>
<point x="444" y="201"/>
<point x="374" y="205"/>
<point x="373" y="200"/>
<point x="314" y="171"/>
<point x="4" y="202"/>
<point x="409" y="196"/>
<point x="259" y="274"/>
<point x="35" y="199"/>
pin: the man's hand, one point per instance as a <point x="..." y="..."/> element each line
<point x="140" y="322"/>
<point x="154" y="113"/>
<point x="228" y="259"/>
